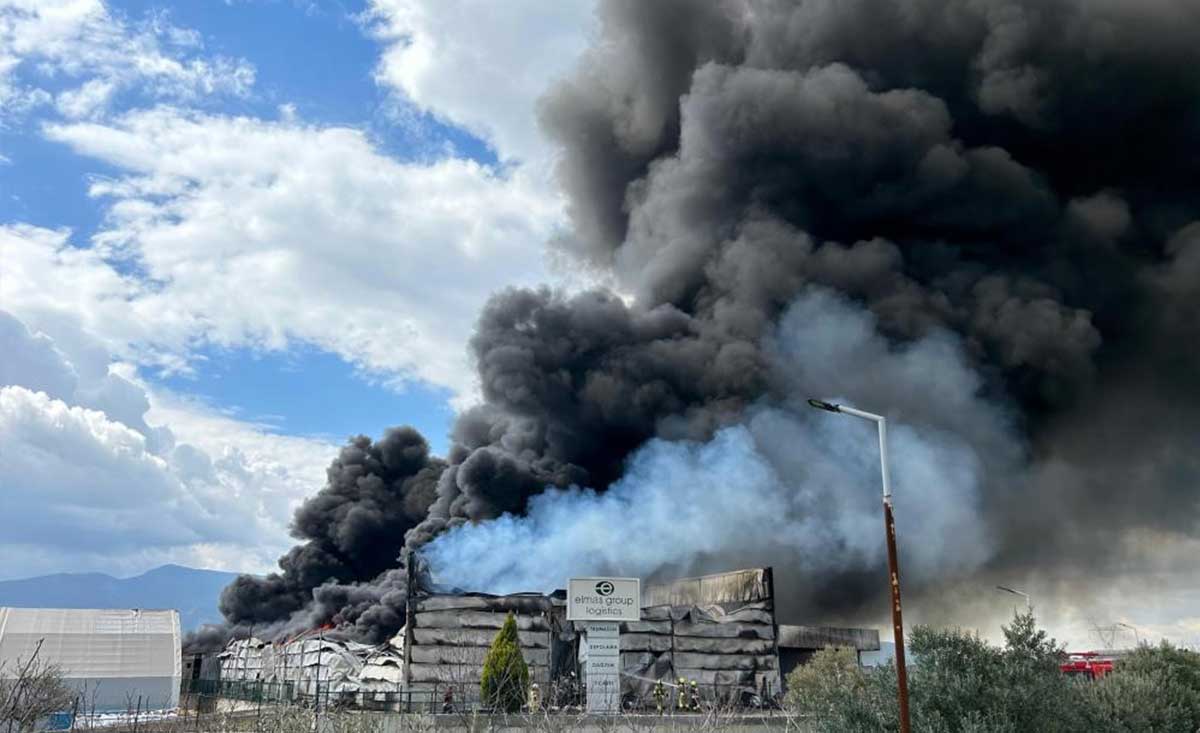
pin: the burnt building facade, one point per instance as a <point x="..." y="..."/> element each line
<point x="720" y="631"/>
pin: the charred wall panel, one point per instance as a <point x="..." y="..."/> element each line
<point x="718" y="630"/>
<point x="452" y="634"/>
<point x="736" y="587"/>
<point x="727" y="649"/>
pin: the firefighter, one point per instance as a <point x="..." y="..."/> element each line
<point x="660" y="695"/>
<point x="681" y="694"/>
<point x="535" y="698"/>
<point x="695" y="690"/>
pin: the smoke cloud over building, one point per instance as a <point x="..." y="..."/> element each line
<point x="979" y="216"/>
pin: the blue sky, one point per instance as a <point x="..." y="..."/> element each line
<point x="318" y="59"/>
<point x="234" y="234"/>
<point x="306" y="391"/>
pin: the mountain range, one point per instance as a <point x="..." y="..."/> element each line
<point x="192" y="591"/>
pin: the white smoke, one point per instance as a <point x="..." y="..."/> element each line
<point x="788" y="485"/>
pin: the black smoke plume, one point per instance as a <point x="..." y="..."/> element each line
<point x="352" y="532"/>
<point x="1021" y="174"/>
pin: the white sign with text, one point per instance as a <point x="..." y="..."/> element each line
<point x="602" y="666"/>
<point x="601" y="604"/>
<point x="604" y="599"/>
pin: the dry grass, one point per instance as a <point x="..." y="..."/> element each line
<point x="290" y="719"/>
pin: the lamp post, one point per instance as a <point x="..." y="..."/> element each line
<point x="889" y="525"/>
<point x="1028" y="600"/>
<point x="1136" y="637"/>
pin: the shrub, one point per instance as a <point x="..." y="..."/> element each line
<point x="958" y="676"/>
<point x="1036" y="694"/>
<point x="817" y="687"/>
<point x="1153" y="689"/>
<point x="1166" y="661"/>
<point x="838" y="695"/>
<point x="505" y="676"/>
<point x="959" y="683"/>
<point x="30" y="691"/>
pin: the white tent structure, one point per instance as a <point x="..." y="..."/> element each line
<point x="114" y="657"/>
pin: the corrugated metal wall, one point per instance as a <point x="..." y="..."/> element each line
<point x="108" y="654"/>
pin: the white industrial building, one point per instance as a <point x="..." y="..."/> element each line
<point x="114" y="658"/>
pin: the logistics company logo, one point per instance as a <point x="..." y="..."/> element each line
<point x="603" y="599"/>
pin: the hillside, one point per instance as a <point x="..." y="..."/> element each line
<point x="192" y="591"/>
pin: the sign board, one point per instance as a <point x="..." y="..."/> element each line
<point x="604" y="599"/>
<point x="600" y="649"/>
<point x="601" y="604"/>
<point x="605" y="629"/>
<point x="603" y="694"/>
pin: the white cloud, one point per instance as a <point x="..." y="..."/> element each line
<point x="261" y="233"/>
<point x="87" y="483"/>
<point x="233" y="232"/>
<point x="87" y="99"/>
<point x="97" y="53"/>
<point x="245" y="232"/>
<point x="33" y="360"/>
<point x="55" y="287"/>
<point x="282" y="470"/>
<point x="481" y="65"/>
<point x="229" y="231"/>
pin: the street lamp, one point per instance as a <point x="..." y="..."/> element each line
<point x="889" y="525"/>
<point x="1028" y="601"/>
<point x="1136" y="637"/>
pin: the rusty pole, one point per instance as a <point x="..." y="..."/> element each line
<point x="889" y="526"/>
<point x="897" y="618"/>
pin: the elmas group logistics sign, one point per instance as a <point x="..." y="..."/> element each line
<point x="604" y="599"/>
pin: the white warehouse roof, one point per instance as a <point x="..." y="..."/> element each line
<point x="111" y="655"/>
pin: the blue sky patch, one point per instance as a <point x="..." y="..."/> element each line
<point x="315" y="59"/>
<point x="309" y="392"/>
<point x="46" y="184"/>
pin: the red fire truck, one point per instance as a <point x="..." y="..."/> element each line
<point x="1092" y="665"/>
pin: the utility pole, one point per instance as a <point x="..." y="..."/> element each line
<point x="410" y="613"/>
<point x="889" y="526"/>
<point x="320" y="651"/>
<point x="246" y="662"/>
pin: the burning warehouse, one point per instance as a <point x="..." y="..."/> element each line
<point x="719" y="630"/>
<point x="946" y="219"/>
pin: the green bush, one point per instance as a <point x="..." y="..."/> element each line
<point x="957" y="679"/>
<point x="963" y="684"/>
<point x="1166" y="661"/>
<point x="1153" y="689"/>
<point x="819" y="686"/>
<point x="1035" y="694"/>
<point x="505" y="676"/>
<point x="838" y="695"/>
<point x="959" y="683"/>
